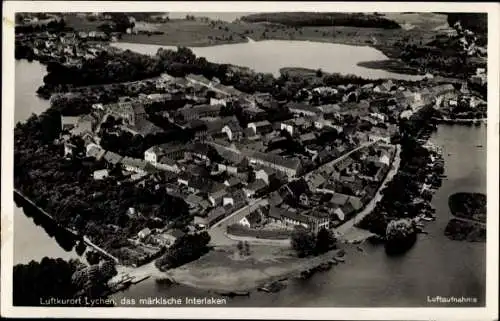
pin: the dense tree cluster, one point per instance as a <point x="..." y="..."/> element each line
<point x="37" y="282"/>
<point x="120" y="21"/>
<point x="430" y="58"/>
<point x="307" y="19"/>
<point x="187" y="248"/>
<point x="306" y="243"/>
<point x="477" y="22"/>
<point x="400" y="229"/>
<point x="54" y="25"/>
<point x="128" y="66"/>
<point x="66" y="189"/>
<point x="107" y="68"/>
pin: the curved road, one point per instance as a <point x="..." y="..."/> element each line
<point x="218" y="230"/>
<point x="344" y="228"/>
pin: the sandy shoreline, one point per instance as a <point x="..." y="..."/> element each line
<point x="221" y="271"/>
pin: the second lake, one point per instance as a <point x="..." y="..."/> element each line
<point x="270" y="56"/>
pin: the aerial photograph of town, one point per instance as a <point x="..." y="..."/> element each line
<point x="250" y="159"/>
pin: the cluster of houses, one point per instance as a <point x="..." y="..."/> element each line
<point x="69" y="48"/>
<point x="230" y="163"/>
<point x="327" y="196"/>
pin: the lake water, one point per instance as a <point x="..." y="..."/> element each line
<point x="270" y="55"/>
<point x="31" y="242"/>
<point x="434" y="266"/>
<point x="28" y="77"/>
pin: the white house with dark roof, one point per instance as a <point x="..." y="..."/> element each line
<point x="261" y="127"/>
<point x="253" y="219"/>
<point x="153" y="154"/>
<point x="288" y="126"/>
<point x="287" y="217"/>
<point x="265" y="174"/>
<point x="340" y="214"/>
<point x="144" y="233"/>
<point x="100" y="174"/>
<point x="215" y="101"/>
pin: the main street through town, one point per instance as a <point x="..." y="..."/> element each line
<point x="343" y="231"/>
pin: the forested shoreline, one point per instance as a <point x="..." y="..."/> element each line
<point x="304" y="19"/>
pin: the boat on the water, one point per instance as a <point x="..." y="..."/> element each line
<point x="324" y="266"/>
<point x="234" y="293"/>
<point x="272" y="287"/>
<point x="305" y="274"/>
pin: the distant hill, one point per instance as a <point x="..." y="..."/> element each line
<point x="141" y="16"/>
<point x="308" y="19"/>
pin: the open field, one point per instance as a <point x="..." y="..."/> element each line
<point x="421" y="20"/>
<point x="205" y="32"/>
<point x="81" y="23"/>
<point x="191" y="33"/>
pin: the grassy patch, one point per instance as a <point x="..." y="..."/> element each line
<point x="420" y="20"/>
<point x="392" y="65"/>
<point x="82" y="23"/>
<point x="192" y="33"/>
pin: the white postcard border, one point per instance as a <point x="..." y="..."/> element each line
<point x="488" y="313"/>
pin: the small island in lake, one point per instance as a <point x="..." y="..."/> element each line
<point x="470" y="206"/>
<point x="470" y="212"/>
